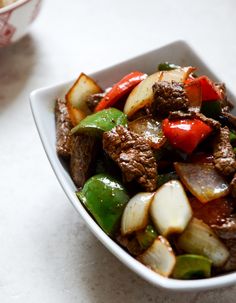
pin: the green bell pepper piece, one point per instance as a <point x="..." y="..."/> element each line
<point x="232" y="136"/>
<point x="100" y="122"/>
<point x="192" y="267"/>
<point x="162" y="179"/>
<point x="105" y="198"/>
<point x="146" y="237"/>
<point x="211" y="109"/>
<point x="167" y="66"/>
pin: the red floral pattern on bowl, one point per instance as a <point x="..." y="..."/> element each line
<point x="16" y="18"/>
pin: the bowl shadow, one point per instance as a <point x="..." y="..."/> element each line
<point x="16" y="64"/>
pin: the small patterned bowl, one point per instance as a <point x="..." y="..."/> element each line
<point x="16" y="18"/>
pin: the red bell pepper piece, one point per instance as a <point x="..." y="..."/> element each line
<point x="193" y="91"/>
<point x="124" y="86"/>
<point x="209" y="90"/>
<point x="185" y="134"/>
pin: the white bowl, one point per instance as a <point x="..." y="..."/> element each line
<point x="16" y="18"/>
<point x="42" y="104"/>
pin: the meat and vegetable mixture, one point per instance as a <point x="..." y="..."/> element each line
<point x="153" y="158"/>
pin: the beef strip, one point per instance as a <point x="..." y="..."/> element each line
<point x="226" y="104"/>
<point x="82" y="154"/>
<point x="133" y="155"/>
<point x="231" y="119"/>
<point x="227" y="230"/>
<point x="168" y="97"/>
<point x="93" y="100"/>
<point x="176" y="115"/>
<point x="209" y="121"/>
<point x="63" y="128"/>
<point x="227" y="233"/>
<point x="224" y="157"/>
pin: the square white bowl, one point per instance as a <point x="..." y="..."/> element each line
<point x="42" y="105"/>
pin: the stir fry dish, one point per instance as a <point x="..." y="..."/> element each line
<point x="153" y="160"/>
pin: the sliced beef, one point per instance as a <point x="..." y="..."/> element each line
<point x="177" y="115"/>
<point x="209" y="121"/>
<point x="168" y="97"/>
<point x="226" y="104"/>
<point x="133" y="155"/>
<point x="93" y="100"/>
<point x="227" y="230"/>
<point x="227" y="233"/>
<point x="224" y="157"/>
<point x="82" y="154"/>
<point x="63" y="128"/>
<point x="231" y="119"/>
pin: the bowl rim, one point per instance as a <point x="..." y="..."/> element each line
<point x="13" y="5"/>
<point x="141" y="270"/>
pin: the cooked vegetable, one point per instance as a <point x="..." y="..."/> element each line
<point x="124" y="86"/>
<point x="170" y="209"/>
<point x="77" y="96"/>
<point x="202" y="180"/>
<point x="185" y="134"/>
<point x="214" y="212"/>
<point x="159" y="257"/>
<point x="142" y="94"/>
<point x="163" y="178"/>
<point x="176" y="139"/>
<point x="146" y="237"/>
<point x="211" y="109"/>
<point x="177" y="75"/>
<point x="130" y="243"/>
<point x="76" y="115"/>
<point x="209" y="89"/>
<point x="100" y="122"/>
<point x="149" y="129"/>
<point x="232" y="136"/>
<point x="194" y="94"/>
<point x="192" y="267"/>
<point x="167" y="66"/>
<point x="105" y="198"/>
<point x="198" y="238"/>
<point x="135" y="215"/>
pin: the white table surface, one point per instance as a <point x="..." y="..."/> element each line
<point x="47" y="254"/>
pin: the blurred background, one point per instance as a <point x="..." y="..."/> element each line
<point x="47" y="254"/>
